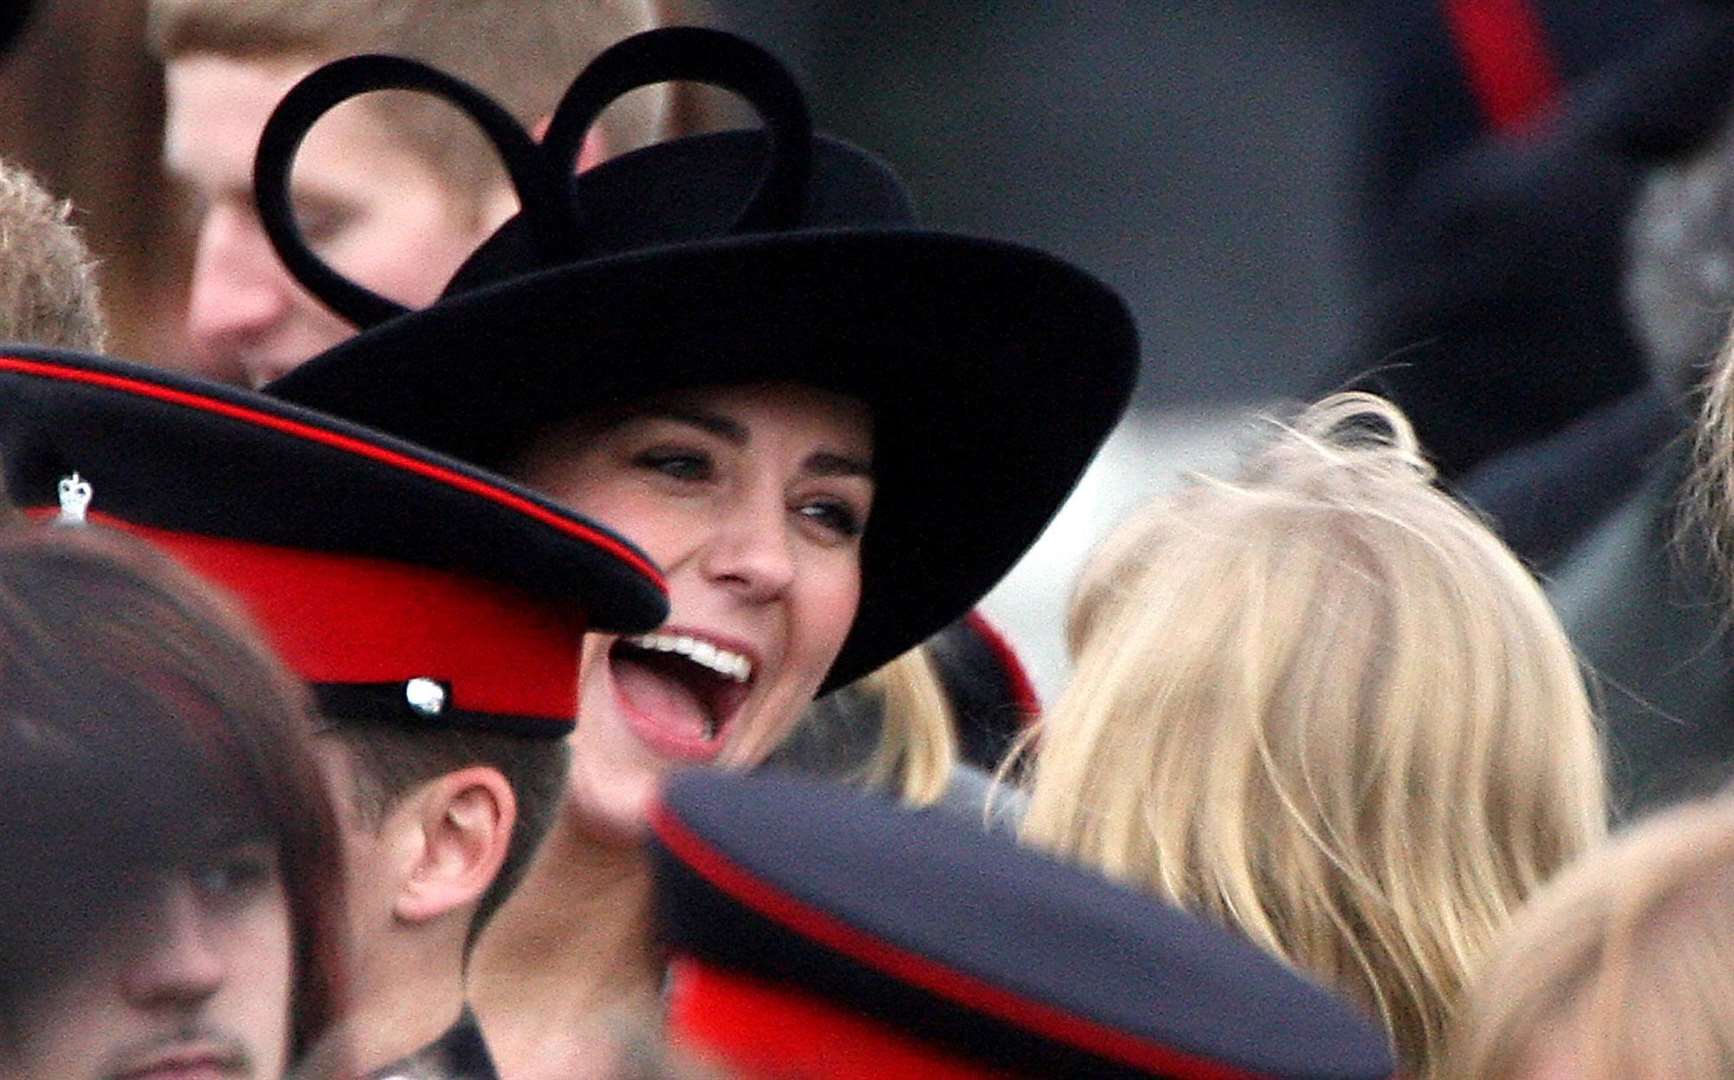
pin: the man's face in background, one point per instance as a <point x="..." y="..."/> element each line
<point x="367" y="203"/>
<point x="192" y="976"/>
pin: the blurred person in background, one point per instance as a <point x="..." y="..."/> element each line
<point x="1501" y="149"/>
<point x="1546" y="201"/>
<point x="396" y="190"/>
<point x="831" y="429"/>
<point x="1643" y="588"/>
<point x="1321" y="703"/>
<point x="1621" y="969"/>
<point x="48" y="288"/>
<point x="171" y="903"/>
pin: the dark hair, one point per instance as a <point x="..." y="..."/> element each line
<point x="135" y="707"/>
<point x="392" y="761"/>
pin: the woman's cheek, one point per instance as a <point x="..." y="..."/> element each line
<point x="664" y="528"/>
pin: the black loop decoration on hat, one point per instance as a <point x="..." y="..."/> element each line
<point x="331" y="85"/>
<point x="695" y="54"/>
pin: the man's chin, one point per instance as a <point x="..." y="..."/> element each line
<point x="616" y="813"/>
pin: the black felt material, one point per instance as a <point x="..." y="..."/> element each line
<point x="994" y="371"/>
<point x="981" y="906"/>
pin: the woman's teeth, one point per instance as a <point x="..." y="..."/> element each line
<point x="730" y="665"/>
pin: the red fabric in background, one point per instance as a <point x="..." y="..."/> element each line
<point x="1505" y="55"/>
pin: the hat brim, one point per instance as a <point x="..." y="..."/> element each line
<point x="179" y="454"/>
<point x="968" y="940"/>
<point x="993" y="373"/>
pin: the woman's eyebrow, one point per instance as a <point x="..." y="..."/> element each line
<point x="717" y="424"/>
<point x="819" y="463"/>
<point x="827" y="463"/>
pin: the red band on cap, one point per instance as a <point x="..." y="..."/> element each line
<point x="1504" y="51"/>
<point x="347" y="443"/>
<point x="929" y="975"/>
<point x="355" y="619"/>
<point x="764" y="1029"/>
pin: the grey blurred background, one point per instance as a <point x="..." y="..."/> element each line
<point x="1194" y="155"/>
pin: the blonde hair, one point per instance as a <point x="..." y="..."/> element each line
<point x="1626" y="961"/>
<point x="48" y="289"/>
<point x="916" y="750"/>
<point x="1323" y="704"/>
<point x="523" y="54"/>
<point x="1708" y="515"/>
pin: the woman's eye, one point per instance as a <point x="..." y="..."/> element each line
<point x="676" y="464"/>
<point x="838" y="517"/>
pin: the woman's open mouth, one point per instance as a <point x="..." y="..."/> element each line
<point x="681" y="691"/>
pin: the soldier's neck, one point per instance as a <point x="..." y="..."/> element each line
<point x="570" y="961"/>
<point x="390" y="1024"/>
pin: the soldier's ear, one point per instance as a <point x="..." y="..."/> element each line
<point x="464" y="820"/>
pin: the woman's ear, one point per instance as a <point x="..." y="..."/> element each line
<point x="466" y="819"/>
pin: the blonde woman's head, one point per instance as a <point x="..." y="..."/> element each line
<point x="1321" y="702"/>
<point x="1622" y="968"/>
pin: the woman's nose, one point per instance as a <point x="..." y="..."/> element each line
<point x="751" y="550"/>
<point x="172" y="962"/>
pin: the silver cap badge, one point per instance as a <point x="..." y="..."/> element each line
<point x="75" y="493"/>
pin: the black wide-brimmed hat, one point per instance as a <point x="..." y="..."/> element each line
<point x="405" y="587"/>
<point x="820" y="931"/>
<point x="993" y="371"/>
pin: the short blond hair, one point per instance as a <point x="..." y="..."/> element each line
<point x="48" y="288"/>
<point x="1323" y="704"/>
<point x="1626" y="961"/>
<point x="523" y="53"/>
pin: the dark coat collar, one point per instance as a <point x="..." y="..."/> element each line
<point x="460" y="1054"/>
